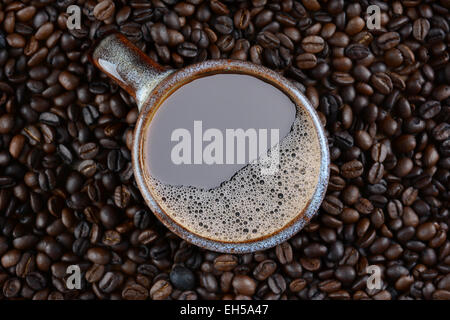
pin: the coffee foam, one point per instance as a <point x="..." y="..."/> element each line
<point x="250" y="205"/>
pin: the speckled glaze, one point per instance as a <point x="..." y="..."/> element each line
<point x="116" y="56"/>
<point x="157" y="85"/>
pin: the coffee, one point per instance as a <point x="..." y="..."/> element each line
<point x="231" y="198"/>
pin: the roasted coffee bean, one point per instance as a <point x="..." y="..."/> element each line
<point x="264" y="269"/>
<point x="110" y="282"/>
<point x="441" y="131"/>
<point x="351" y="194"/>
<point x="277" y="283"/>
<point x="11" y="287"/>
<point x="405" y="143"/>
<point x="242" y="18"/>
<point x="6" y="123"/>
<point x="313" y="44"/>
<point x="159" y="34"/>
<point x="268" y="40"/>
<point x="297" y="285"/>
<point x="426" y="231"/>
<point x="184" y="9"/>
<point x="6" y="182"/>
<point x="135" y="292"/>
<point x="388" y="40"/>
<point x="104" y="10"/>
<point x="329" y="286"/>
<point x="17" y="145"/>
<point x="223" y="25"/>
<point x="315" y="250"/>
<point x="310" y="264"/>
<point x="68" y="80"/>
<point x="47" y="180"/>
<point x="115" y="160"/>
<point x="122" y="196"/>
<point x="111" y="238"/>
<point x="109" y="216"/>
<point x="345" y="274"/>
<point x="284" y="253"/>
<point x="142" y="219"/>
<point x="25" y="242"/>
<point x="74" y="182"/>
<point x="87" y="168"/>
<point x="90" y="114"/>
<point x="10" y="258"/>
<point x="332" y="205"/>
<point x="95" y="273"/>
<point x="187" y="49"/>
<point x="344" y="140"/>
<point x="88" y="150"/>
<point x="26" y="265"/>
<point x="363" y="140"/>
<point x="160" y="290"/>
<point x="182" y="278"/>
<point x="364" y="206"/>
<point x="208" y="282"/>
<point x="306" y="61"/>
<point x="375" y="173"/>
<point x="99" y="255"/>
<point x="421" y="27"/>
<point x="36" y="281"/>
<point x="65" y="153"/>
<point x="382" y="82"/>
<point x="147" y="236"/>
<point x="378" y="152"/>
<point x="352" y="169"/>
<point x="244" y="285"/>
<point x="430" y="109"/>
<point x="225" y="262"/>
<point x="219" y="7"/>
<point x="357" y="51"/>
<point x="50" y="119"/>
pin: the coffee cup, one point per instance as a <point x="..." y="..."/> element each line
<point x="225" y="196"/>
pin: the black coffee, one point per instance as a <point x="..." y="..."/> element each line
<point x="231" y="157"/>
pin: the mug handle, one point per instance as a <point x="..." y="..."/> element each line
<point x="128" y="66"/>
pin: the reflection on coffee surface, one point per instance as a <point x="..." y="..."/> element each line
<point x="231" y="158"/>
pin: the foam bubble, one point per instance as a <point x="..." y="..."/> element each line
<point x="250" y="205"/>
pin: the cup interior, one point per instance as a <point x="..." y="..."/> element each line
<point x="183" y="76"/>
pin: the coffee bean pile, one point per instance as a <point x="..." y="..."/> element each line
<point x="67" y="192"/>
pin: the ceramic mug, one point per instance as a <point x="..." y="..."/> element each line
<point x="150" y="84"/>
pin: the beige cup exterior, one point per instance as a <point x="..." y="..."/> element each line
<point x="150" y="84"/>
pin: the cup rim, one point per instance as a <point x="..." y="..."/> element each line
<point x="182" y="76"/>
